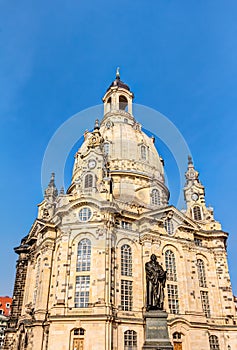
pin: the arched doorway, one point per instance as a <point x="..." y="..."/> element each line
<point x="78" y="339"/>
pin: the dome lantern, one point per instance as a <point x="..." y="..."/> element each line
<point x="118" y="96"/>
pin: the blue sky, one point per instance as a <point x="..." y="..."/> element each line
<point x="58" y="58"/>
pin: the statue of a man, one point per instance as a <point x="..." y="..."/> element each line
<point x="155" y="283"/>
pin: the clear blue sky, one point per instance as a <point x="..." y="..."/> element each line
<point x="58" y="58"/>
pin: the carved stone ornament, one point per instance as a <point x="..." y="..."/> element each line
<point x="150" y="238"/>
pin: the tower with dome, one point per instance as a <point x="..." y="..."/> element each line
<point x="80" y="274"/>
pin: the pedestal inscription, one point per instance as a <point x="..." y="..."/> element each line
<point x="156" y="331"/>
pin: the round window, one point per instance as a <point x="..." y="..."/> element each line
<point x="85" y="214"/>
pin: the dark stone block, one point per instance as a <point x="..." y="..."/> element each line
<point x="156" y="331"/>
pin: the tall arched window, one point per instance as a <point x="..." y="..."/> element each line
<point x="197" y="213"/>
<point x="155" y="197"/>
<point x="170" y="266"/>
<point x="126" y="260"/>
<point x="88" y="181"/>
<point x="123" y="103"/>
<point x="84" y="255"/>
<point x="143" y="152"/>
<point x="201" y="273"/>
<point x="130" y="340"/>
<point x="214" y="343"/>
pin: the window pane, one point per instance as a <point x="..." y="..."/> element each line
<point x="84" y="255"/>
<point x="197" y="214"/>
<point x="126" y="295"/>
<point x="155" y="197"/>
<point x="170" y="266"/>
<point x="88" y="181"/>
<point x="82" y="291"/>
<point x="126" y="260"/>
<point x="173" y="299"/>
<point x="169" y="226"/>
<point x="214" y="343"/>
<point x="205" y="303"/>
<point x="130" y="340"/>
<point x="201" y="273"/>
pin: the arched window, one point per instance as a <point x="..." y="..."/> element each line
<point x="126" y="260"/>
<point x="143" y="152"/>
<point x="169" y="226"/>
<point x="214" y="343"/>
<point x="106" y="148"/>
<point x="130" y="340"/>
<point x="123" y="103"/>
<point x="170" y="266"/>
<point x="84" y="255"/>
<point x="201" y="273"/>
<point x="197" y="213"/>
<point x="155" y="197"/>
<point x="88" y="181"/>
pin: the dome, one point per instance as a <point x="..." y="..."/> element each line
<point x="119" y="151"/>
<point x="130" y="148"/>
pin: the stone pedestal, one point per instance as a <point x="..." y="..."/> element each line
<point x="156" y="331"/>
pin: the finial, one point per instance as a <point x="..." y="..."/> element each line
<point x="117" y="73"/>
<point x="61" y="190"/>
<point x="52" y="178"/>
<point x="190" y="161"/>
<point x="51" y="191"/>
<point x="97" y="124"/>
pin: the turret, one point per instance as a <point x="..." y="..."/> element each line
<point x="194" y="195"/>
<point x="118" y="96"/>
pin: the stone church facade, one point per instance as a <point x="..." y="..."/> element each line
<point x="80" y="279"/>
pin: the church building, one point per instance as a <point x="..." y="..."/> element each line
<point x="80" y="274"/>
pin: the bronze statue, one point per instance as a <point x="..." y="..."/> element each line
<point x="155" y="283"/>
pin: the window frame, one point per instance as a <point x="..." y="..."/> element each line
<point x="88" y="181"/>
<point x="126" y="295"/>
<point x="205" y="303"/>
<point x="83" y="263"/>
<point x="82" y="291"/>
<point x="197" y="213"/>
<point x="201" y="273"/>
<point x="85" y="214"/>
<point x="173" y="298"/>
<point x="169" y="226"/>
<point x="155" y="197"/>
<point x="126" y="260"/>
<point x="214" y="342"/>
<point x="130" y="339"/>
<point x="170" y="265"/>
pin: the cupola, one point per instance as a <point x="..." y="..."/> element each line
<point x="118" y="96"/>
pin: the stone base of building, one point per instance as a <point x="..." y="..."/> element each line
<point x="156" y="331"/>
